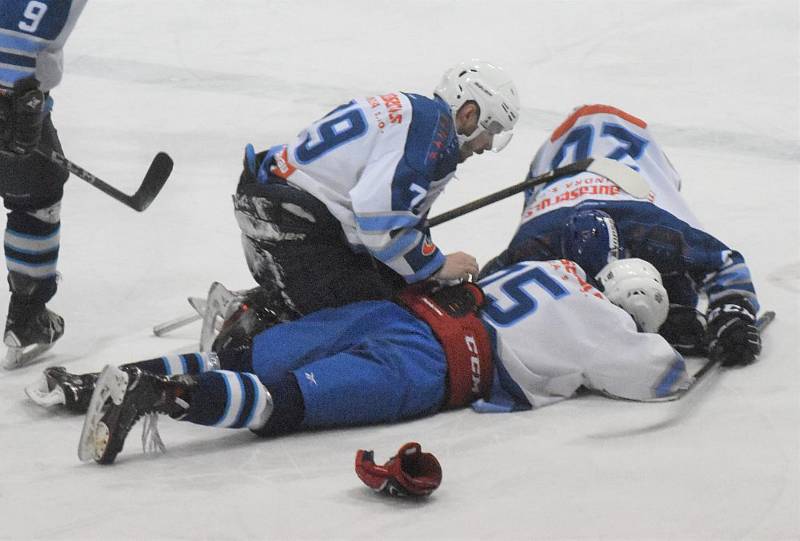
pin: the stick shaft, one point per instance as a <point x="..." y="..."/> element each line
<point x="168" y="326"/>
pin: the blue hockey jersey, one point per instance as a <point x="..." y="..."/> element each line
<point x="32" y="35"/>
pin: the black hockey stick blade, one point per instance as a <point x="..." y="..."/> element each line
<point x="620" y="174"/>
<point x="154" y="180"/>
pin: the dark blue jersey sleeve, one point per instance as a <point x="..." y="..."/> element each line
<point x="691" y="261"/>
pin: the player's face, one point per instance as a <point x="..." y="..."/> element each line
<point x="478" y="145"/>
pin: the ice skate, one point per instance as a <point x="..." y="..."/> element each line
<point x="58" y="387"/>
<point x="219" y="305"/>
<point x="28" y="338"/>
<point x="119" y="400"/>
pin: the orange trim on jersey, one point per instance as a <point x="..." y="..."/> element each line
<point x="282" y="167"/>
<point x="593" y="110"/>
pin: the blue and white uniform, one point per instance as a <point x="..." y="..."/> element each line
<point x="378" y="163"/>
<point x="661" y="230"/>
<point x="32" y="35"/>
<point x="375" y="362"/>
<point x="553" y="333"/>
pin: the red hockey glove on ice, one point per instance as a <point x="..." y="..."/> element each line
<point x="409" y="473"/>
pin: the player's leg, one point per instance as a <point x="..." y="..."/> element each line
<point x="366" y="362"/>
<point x="121" y="397"/>
<point x="380" y="364"/>
<point x="297" y="252"/>
<point x="32" y="189"/>
<point x="57" y="387"/>
<point x="387" y="367"/>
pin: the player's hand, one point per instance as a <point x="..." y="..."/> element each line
<point x="457" y="266"/>
<point x="732" y="334"/>
<point x="685" y="330"/>
<point x="21" y="116"/>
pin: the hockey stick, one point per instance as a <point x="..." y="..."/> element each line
<point x="154" y="179"/>
<point x="620" y="174"/>
<point x="707" y="368"/>
<point x="168" y="326"/>
<point x="199" y="306"/>
<point x="684" y="407"/>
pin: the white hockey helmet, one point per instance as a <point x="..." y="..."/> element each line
<point x="492" y="89"/>
<point x="635" y="286"/>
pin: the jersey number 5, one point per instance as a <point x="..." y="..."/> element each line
<point x="523" y="303"/>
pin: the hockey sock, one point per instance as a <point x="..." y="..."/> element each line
<point x="31" y="243"/>
<point x="229" y="399"/>
<point x="173" y="365"/>
<point x="289" y="408"/>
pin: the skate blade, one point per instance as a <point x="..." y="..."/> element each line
<point x="39" y="392"/>
<point x="217" y="304"/>
<point x="199" y="305"/>
<point x="112" y="384"/>
<point x="17" y="357"/>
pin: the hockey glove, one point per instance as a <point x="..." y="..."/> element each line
<point x="460" y="300"/>
<point x="409" y="473"/>
<point x="21" y="116"/>
<point x="733" y="338"/>
<point x="685" y="330"/>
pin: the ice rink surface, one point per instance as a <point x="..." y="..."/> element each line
<point x="718" y="83"/>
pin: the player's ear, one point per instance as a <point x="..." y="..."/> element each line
<point x="467" y="117"/>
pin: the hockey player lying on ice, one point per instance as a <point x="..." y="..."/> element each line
<point x="532" y="334"/>
<point x="662" y="231"/>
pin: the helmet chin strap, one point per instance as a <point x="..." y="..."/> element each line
<point x="500" y="141"/>
<point x="464" y="139"/>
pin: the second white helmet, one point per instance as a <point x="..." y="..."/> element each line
<point x="492" y="89"/>
<point x="635" y="286"/>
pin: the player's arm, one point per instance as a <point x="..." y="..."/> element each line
<point x="390" y="215"/>
<point x="389" y="222"/>
<point x="732" y="309"/>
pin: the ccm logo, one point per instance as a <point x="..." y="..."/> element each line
<point x="475" y="363"/>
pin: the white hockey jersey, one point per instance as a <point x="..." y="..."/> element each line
<point x="32" y="35"/>
<point x="604" y="131"/>
<point x="553" y="332"/>
<point x="661" y="230"/>
<point x="378" y="163"/>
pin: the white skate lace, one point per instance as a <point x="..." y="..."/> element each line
<point x="151" y="439"/>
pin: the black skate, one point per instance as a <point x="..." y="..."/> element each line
<point x="29" y="337"/>
<point x="122" y="397"/>
<point x="57" y="386"/>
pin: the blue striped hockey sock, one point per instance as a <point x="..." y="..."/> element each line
<point x="173" y="365"/>
<point x="231" y="400"/>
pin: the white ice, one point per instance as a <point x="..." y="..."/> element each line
<point x="717" y="81"/>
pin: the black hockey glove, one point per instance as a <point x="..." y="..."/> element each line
<point x="685" y="330"/>
<point x="21" y="116"/>
<point x="733" y="337"/>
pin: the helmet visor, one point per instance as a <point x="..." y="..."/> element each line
<point x="499" y="138"/>
<point x="499" y="142"/>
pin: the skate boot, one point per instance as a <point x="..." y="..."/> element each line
<point x="28" y="336"/>
<point x="122" y="397"/>
<point x="57" y="386"/>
